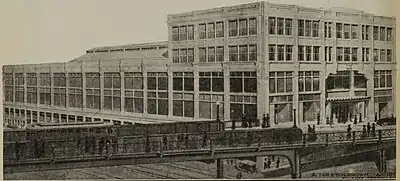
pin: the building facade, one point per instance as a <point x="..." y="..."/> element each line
<point x="291" y="62"/>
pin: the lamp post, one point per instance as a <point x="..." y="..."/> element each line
<point x="294" y="118"/>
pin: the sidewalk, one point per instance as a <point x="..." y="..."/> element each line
<point x="324" y="127"/>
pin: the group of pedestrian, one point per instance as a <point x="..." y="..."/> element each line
<point x="268" y="162"/>
<point x="367" y="131"/>
<point x="266" y="121"/>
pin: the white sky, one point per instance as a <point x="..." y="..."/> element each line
<point x="43" y="31"/>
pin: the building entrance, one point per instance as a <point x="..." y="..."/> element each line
<point x="346" y="112"/>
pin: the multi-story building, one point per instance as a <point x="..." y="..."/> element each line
<point x="250" y="59"/>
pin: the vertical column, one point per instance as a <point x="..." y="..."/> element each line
<point x="296" y="71"/>
<point x="170" y="92"/>
<point x="122" y="76"/>
<point x="83" y="90"/>
<point x="66" y="86"/>
<point x="37" y="88"/>
<point x="101" y="87"/>
<point x="351" y="83"/>
<point x="144" y="72"/>
<point x="51" y="90"/>
<point x="227" y="106"/>
<point x="220" y="168"/>
<point x="322" y="73"/>
<point x="25" y="89"/>
<point x="196" y="92"/>
<point x="296" y="165"/>
<point x="13" y="85"/>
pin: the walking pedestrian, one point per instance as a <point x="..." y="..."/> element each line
<point x="376" y="117"/>
<point x="368" y="129"/>
<point x="373" y="130"/>
<point x="349" y="132"/>
<point x="355" y="120"/>
<point x="364" y="132"/>
<point x="233" y="124"/>
<point x="264" y="122"/>
<point x="268" y="121"/>
<point x="107" y="147"/>
<point x="318" y="119"/>
<point x="361" y="118"/>
<point x="278" y="161"/>
<point x="244" y="124"/>
<point x="205" y="140"/>
<point x="269" y="163"/>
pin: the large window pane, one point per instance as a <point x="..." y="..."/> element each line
<point x="151" y="106"/>
<point x="151" y="83"/>
<point x="205" y="110"/>
<point x="163" y="83"/>
<point x="236" y="85"/>
<point x="177" y="84"/>
<point x="204" y="84"/>
<point x="218" y="85"/>
<point x="250" y="85"/>
<point x="163" y="107"/>
<point x="178" y="108"/>
<point x="189" y="108"/>
<point x="189" y="84"/>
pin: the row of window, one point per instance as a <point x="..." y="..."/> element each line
<point x="238" y="27"/>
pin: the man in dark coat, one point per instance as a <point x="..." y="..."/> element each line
<point x="368" y="129"/>
<point x="268" y="121"/>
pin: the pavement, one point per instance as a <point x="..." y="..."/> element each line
<point x="325" y="128"/>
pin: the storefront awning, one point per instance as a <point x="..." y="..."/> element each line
<point x="341" y="99"/>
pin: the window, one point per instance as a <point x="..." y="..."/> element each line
<point x="315" y="28"/>
<point x="31" y="83"/>
<point x="339" y="30"/>
<point x="243" y="104"/>
<point x="271" y="25"/>
<point x="244" y="53"/>
<point x="288" y="26"/>
<point x="211" y="54"/>
<point x="339" y="52"/>
<point x="281" y="26"/>
<point x="19" y="87"/>
<point x="8" y="85"/>
<point x="376" y="55"/>
<point x="271" y="51"/>
<point x="365" y="32"/>
<point x="316" y="53"/>
<point x="365" y="54"/>
<point x="308" y="53"/>
<point x="383" y="55"/>
<point x="157" y="85"/>
<point x="183" y="98"/>
<point x="175" y="33"/>
<point x="389" y="55"/>
<point x="360" y="81"/>
<point x="75" y="90"/>
<point x="211" y="30"/>
<point x="346" y="54"/>
<point x="93" y="90"/>
<point x="281" y="52"/>
<point x="289" y="51"/>
<point x="233" y="28"/>
<point x="241" y="82"/>
<point x="190" y="31"/>
<point x="242" y="27"/>
<point x="308" y="28"/>
<point x="346" y="31"/>
<point x="354" y="52"/>
<point x="202" y="31"/>
<point x="211" y="82"/>
<point x="253" y="26"/>
<point x="383" y="79"/>
<point x="301" y="52"/>
<point x="328" y="54"/>
<point x="208" y="105"/>
<point x="328" y="29"/>
<point x="183" y="55"/>
<point x="233" y="53"/>
<point x="389" y="34"/>
<point x="382" y="34"/>
<point x="341" y="80"/>
<point x="301" y="27"/>
<point x="354" y="30"/>
<point x="183" y="81"/>
<point x="183" y="33"/>
<point x="376" y="32"/>
<point x="280" y="82"/>
<point x="220" y="29"/>
<point x="202" y="55"/>
<point x="220" y="54"/>
<point x="45" y="86"/>
<point x="308" y="81"/>
<point x="112" y="91"/>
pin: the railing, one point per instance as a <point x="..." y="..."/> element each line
<point x="71" y="148"/>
